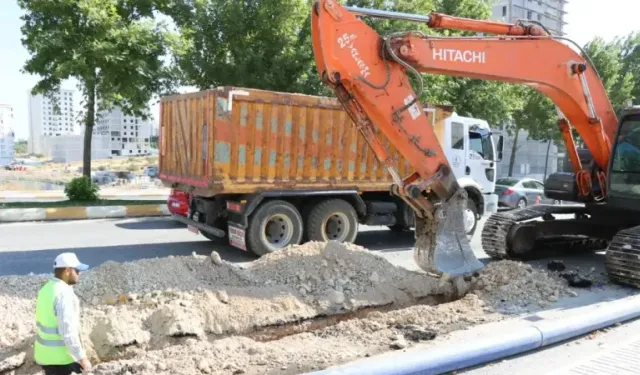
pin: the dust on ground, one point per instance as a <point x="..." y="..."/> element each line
<point x="279" y="315"/>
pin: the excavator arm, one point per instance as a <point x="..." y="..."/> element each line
<point x="368" y="74"/>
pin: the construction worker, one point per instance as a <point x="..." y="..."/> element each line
<point x="57" y="347"/>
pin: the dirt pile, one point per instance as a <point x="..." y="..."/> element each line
<point x="514" y="287"/>
<point x="148" y="304"/>
<point x="197" y="314"/>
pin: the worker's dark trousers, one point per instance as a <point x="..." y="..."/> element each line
<point x="73" y="368"/>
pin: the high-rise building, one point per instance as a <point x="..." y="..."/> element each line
<point x="7" y="136"/>
<point x="550" y="13"/>
<point x="130" y="135"/>
<point x="45" y="121"/>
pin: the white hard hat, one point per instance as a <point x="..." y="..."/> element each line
<point x="69" y="260"/>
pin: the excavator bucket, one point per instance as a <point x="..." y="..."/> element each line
<point x="442" y="246"/>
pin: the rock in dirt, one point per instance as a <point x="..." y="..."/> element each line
<point x="399" y="343"/>
<point x="416" y="333"/>
<point x="215" y="258"/>
<point x="510" y="286"/>
<point x="12" y="362"/>
<point x="556" y="265"/>
<point x="575" y="280"/>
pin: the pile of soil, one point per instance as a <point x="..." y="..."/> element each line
<point x="190" y="315"/>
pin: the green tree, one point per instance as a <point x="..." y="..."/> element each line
<point x="493" y="101"/>
<point x="266" y="44"/>
<point x="113" y="48"/>
<point x="609" y="61"/>
<point x="630" y="53"/>
<point x="263" y="44"/>
<point x="20" y="147"/>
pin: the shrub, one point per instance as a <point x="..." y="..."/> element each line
<point x="81" y="189"/>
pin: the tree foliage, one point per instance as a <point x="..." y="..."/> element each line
<point x="114" y="48"/>
<point x="610" y="64"/>
<point x="263" y="44"/>
<point x="266" y="44"/>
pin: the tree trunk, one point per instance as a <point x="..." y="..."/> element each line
<point x="546" y="161"/>
<point x="514" y="148"/>
<point x="89" y="121"/>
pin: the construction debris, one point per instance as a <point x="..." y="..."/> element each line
<point x="194" y="315"/>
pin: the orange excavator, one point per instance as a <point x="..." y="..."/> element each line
<point x="368" y="74"/>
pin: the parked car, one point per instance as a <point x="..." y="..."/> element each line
<point x="151" y="171"/>
<point x="520" y="193"/>
<point x="178" y="203"/>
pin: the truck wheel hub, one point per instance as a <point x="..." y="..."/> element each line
<point x="278" y="231"/>
<point x="469" y="220"/>
<point x="336" y="227"/>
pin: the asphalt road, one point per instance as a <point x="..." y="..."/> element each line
<point x="31" y="247"/>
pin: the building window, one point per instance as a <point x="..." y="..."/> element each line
<point x="504" y="11"/>
<point x="529" y="14"/>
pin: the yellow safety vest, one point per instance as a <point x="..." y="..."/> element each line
<point x="49" y="349"/>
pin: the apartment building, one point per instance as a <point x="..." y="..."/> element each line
<point x="7" y="136"/>
<point x="70" y="147"/>
<point x="46" y="121"/>
<point x="550" y="13"/>
<point x="130" y="135"/>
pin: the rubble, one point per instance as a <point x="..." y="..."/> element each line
<point x="194" y="315"/>
<point x="511" y="286"/>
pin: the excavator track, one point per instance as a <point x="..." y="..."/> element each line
<point x="622" y="259"/>
<point x="495" y="233"/>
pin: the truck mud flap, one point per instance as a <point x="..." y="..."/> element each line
<point x="237" y="236"/>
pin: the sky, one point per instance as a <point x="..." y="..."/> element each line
<point x="586" y="19"/>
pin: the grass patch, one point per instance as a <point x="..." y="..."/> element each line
<point x="68" y="203"/>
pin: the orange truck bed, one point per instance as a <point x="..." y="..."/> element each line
<point x="236" y="140"/>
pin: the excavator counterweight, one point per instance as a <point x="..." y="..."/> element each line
<point x="374" y="89"/>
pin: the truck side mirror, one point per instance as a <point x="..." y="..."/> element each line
<point x="500" y="147"/>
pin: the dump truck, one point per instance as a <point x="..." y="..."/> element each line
<point x="264" y="170"/>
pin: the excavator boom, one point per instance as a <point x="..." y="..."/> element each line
<point x="368" y="74"/>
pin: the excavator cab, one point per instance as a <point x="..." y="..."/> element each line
<point x="624" y="172"/>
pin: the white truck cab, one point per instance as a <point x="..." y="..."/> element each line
<point x="470" y="149"/>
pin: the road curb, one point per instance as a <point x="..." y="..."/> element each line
<point x="9" y="215"/>
<point x="458" y="356"/>
<point x="55" y="194"/>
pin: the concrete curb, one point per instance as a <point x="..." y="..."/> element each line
<point x="457" y="356"/>
<point x="10" y="215"/>
<point x="55" y="194"/>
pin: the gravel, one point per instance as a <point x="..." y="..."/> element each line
<point x="200" y="314"/>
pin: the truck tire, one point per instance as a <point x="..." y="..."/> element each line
<point x="274" y="226"/>
<point x="332" y="220"/>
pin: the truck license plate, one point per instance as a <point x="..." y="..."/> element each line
<point x="236" y="237"/>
